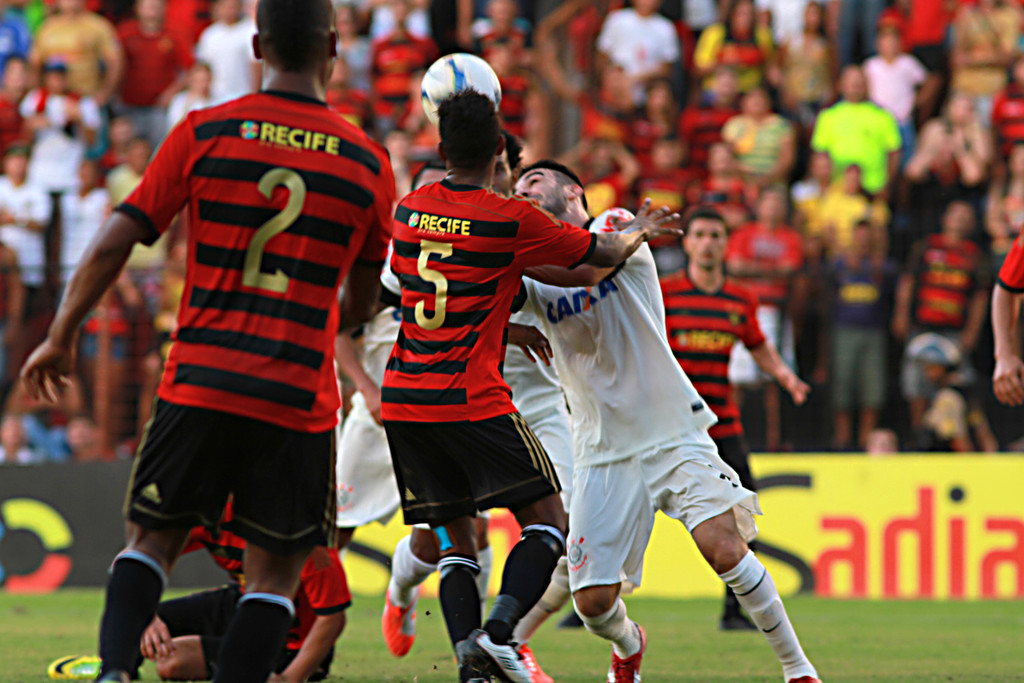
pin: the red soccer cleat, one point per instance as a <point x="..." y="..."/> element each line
<point x="537" y="674"/>
<point x="398" y="626"/>
<point x="804" y="679"/>
<point x="628" y="670"/>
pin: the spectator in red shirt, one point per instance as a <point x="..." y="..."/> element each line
<point x="522" y="112"/>
<point x="608" y="171"/>
<point x="395" y="58"/>
<point x="156" y="61"/>
<point x="767" y="255"/>
<point x="1008" y="111"/>
<point x="723" y="189"/>
<point x="503" y="27"/>
<point x="13" y="87"/>
<point x="666" y="182"/>
<point x="701" y="124"/>
<point x="655" y="121"/>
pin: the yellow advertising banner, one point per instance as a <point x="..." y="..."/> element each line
<point x="842" y="526"/>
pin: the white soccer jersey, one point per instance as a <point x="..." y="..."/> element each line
<point x="535" y="386"/>
<point x="627" y="394"/>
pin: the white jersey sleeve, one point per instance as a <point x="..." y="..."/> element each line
<point x="535" y="386"/>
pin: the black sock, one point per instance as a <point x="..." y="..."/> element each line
<point x="460" y="597"/>
<point x="525" y="578"/>
<point x="133" y="593"/>
<point x="254" y="639"/>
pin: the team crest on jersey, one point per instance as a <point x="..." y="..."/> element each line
<point x="344" y="497"/>
<point x="249" y="130"/>
<point x="734" y="318"/>
<point x="414" y="219"/>
<point x="577" y="558"/>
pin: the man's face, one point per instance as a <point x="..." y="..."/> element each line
<point x="705" y="243"/>
<point x="542" y="186"/>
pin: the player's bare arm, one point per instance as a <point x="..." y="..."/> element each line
<point x="1008" y="377"/>
<point x="346" y="354"/>
<point x="361" y="294"/>
<point x="768" y="359"/>
<point x="49" y="366"/>
<point x="323" y="634"/>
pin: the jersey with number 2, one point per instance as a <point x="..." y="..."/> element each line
<point x="282" y="196"/>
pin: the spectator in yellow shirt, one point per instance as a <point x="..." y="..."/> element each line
<point x="843" y="206"/>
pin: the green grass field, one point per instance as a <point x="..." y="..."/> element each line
<point x="848" y="641"/>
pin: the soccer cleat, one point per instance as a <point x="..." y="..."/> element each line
<point x="537" y="674"/>
<point x="398" y="626"/>
<point x="804" y="679"/>
<point x="736" y="622"/>
<point x="75" y="667"/>
<point x="628" y="670"/>
<point x="502" y="661"/>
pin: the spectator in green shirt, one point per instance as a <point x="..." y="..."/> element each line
<point x="855" y="131"/>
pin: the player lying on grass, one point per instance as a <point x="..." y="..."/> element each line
<point x="458" y="444"/>
<point x="641" y="444"/>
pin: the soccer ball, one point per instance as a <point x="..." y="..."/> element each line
<point x="453" y="73"/>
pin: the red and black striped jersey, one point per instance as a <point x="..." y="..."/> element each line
<point x="702" y="329"/>
<point x="459" y="254"/>
<point x="1011" y="273"/>
<point x="282" y="197"/>
<point x="946" y="274"/>
<point x="515" y="91"/>
<point x="394" y="60"/>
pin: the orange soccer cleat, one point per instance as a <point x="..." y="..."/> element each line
<point x="398" y="626"/>
<point x="805" y="679"/>
<point x="537" y="674"/>
<point x="628" y="670"/>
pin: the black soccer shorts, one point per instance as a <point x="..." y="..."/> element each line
<point x="191" y="459"/>
<point x="449" y="470"/>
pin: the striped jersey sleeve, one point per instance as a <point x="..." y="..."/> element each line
<point x="1011" y="274"/>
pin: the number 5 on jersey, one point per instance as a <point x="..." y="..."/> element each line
<point x="252" y="274"/>
<point x="444" y="250"/>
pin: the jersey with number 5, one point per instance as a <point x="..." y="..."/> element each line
<point x="459" y="254"/>
<point x="281" y="197"/>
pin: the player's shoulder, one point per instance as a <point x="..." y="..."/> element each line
<point x="734" y="289"/>
<point x="675" y="283"/>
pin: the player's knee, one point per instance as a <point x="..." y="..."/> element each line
<point x="424" y="546"/>
<point x="550" y="536"/>
<point x="594" y="601"/>
<point x="724" y="552"/>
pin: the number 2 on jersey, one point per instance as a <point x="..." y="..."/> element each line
<point x="444" y="250"/>
<point x="252" y="276"/>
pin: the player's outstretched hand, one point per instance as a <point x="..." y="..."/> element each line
<point x="652" y="224"/>
<point x="156" y="640"/>
<point x="796" y="387"/>
<point x="1008" y="380"/>
<point x="372" y="399"/>
<point x="47" y="370"/>
<point x="530" y="339"/>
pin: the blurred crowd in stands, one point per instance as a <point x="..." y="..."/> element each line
<point x="868" y="160"/>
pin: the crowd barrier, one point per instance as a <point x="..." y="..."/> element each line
<point x="849" y="526"/>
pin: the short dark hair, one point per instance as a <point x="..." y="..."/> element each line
<point x="561" y="169"/>
<point x="295" y="32"/>
<point x="513" y="149"/>
<point x="469" y="128"/>
<point x="703" y="212"/>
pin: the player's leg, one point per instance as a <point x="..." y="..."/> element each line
<point x="414" y="559"/>
<point x="721" y="545"/>
<point x="484" y="555"/>
<point x="177" y="482"/>
<point x="188" y="661"/>
<point x="284" y="505"/>
<point x="612" y="516"/>
<point x="733" y="450"/>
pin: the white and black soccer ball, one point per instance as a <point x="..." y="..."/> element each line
<point x="454" y="73"/>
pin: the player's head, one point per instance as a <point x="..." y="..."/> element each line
<point x="552" y="185"/>
<point x="507" y="165"/>
<point x="431" y="172"/>
<point x="705" y="238"/>
<point x="296" y="35"/>
<point x="470" y="131"/>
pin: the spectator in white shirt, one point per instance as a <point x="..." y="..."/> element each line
<point x="893" y="81"/>
<point x="82" y="214"/>
<point x="642" y="42"/>
<point x="24" y="214"/>
<point x="226" y="45"/>
<point x="196" y="94"/>
<point x="63" y="124"/>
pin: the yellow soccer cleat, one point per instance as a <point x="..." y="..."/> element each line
<point x="75" y="667"/>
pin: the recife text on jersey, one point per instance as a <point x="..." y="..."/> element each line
<point x="579" y="301"/>
<point x="286" y="136"/>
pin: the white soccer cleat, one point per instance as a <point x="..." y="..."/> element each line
<point x="480" y="652"/>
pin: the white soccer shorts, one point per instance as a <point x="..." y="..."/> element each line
<point x="367" y="491"/>
<point x="613" y="507"/>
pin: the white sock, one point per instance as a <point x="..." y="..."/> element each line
<point x="407" y="573"/>
<point x="757" y="594"/>
<point x="485" y="558"/>
<point x="554" y="599"/>
<point x="615" y="626"/>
